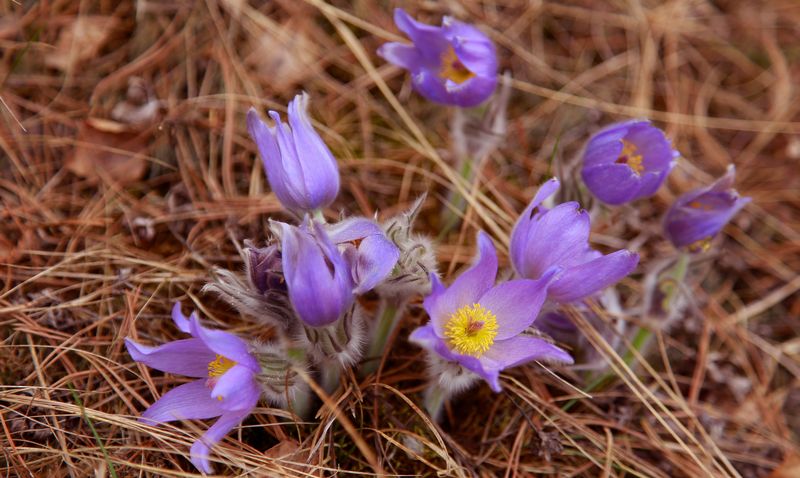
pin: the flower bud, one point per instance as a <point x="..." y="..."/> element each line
<point x="300" y="169"/>
<point x="696" y="217"/>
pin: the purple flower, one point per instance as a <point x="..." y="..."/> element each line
<point x="300" y="169"/>
<point x="480" y="325"/>
<point x="626" y="161"/>
<point x="226" y="385"/>
<point x="544" y="239"/>
<point x="364" y="245"/>
<point x="317" y="275"/>
<point x="454" y="64"/>
<point x="697" y="216"/>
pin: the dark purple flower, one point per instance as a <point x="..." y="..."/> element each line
<point x="480" y="325"/>
<point x="545" y="239"/>
<point x="454" y="64"/>
<point x="226" y="385"/>
<point x="264" y="268"/>
<point x="301" y="170"/>
<point x="317" y="275"/>
<point x="696" y="217"/>
<point x="626" y="161"/>
<point x="364" y="245"/>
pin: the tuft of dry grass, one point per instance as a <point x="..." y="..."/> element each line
<point x="126" y="173"/>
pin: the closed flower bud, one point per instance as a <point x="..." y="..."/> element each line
<point x="627" y="161"/>
<point x="696" y="217"/>
<point x="454" y="64"/>
<point x="300" y="169"/>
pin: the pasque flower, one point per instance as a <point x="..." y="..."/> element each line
<point x="226" y="385"/>
<point x="454" y="64"/>
<point x="546" y="239"/>
<point x="317" y="276"/>
<point x="626" y="161"/>
<point x="480" y="325"/>
<point x="697" y="216"/>
<point x="364" y="245"/>
<point x="301" y="170"/>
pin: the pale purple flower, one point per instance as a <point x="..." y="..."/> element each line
<point x="627" y="161"/>
<point x="481" y="325"/>
<point x="454" y="64"/>
<point x="226" y="385"/>
<point x="317" y="276"/>
<point x="300" y="169"/>
<point x="364" y="245"/>
<point x="545" y="239"/>
<point x="696" y="217"/>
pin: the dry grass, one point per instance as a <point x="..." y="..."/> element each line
<point x="89" y="258"/>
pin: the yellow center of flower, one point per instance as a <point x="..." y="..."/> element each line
<point x="700" y="205"/>
<point x="452" y="69"/>
<point x="471" y="330"/>
<point x="217" y="368"/>
<point x="630" y="156"/>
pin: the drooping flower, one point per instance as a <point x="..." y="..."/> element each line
<point x="317" y="276"/>
<point x="226" y="385"/>
<point x="627" y="161"/>
<point x="559" y="237"/>
<point x="480" y="325"/>
<point x="300" y="168"/>
<point x="697" y="216"/>
<point x="364" y="245"/>
<point x="454" y="64"/>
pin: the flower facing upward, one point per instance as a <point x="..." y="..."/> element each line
<point x="481" y="326"/>
<point x="697" y="216"/>
<point x="317" y="275"/>
<point x="300" y="169"/>
<point x="559" y="237"/>
<point x="226" y="385"/>
<point x="626" y="161"/>
<point x="454" y="64"/>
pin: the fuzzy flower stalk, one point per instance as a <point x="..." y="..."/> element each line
<point x="626" y="161"/>
<point x="300" y="168"/>
<point x="454" y="64"/>
<point x="544" y="239"/>
<point x="478" y="329"/>
<point x="229" y="377"/>
<point x="697" y="216"/>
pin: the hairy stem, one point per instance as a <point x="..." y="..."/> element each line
<point x="390" y="313"/>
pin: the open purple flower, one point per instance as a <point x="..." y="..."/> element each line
<point x="697" y="216"/>
<point x="454" y="64"/>
<point x="317" y="275"/>
<point x="300" y="169"/>
<point x="226" y="385"/>
<point x="626" y="161"/>
<point x="559" y="237"/>
<point x="364" y="245"/>
<point x="480" y="325"/>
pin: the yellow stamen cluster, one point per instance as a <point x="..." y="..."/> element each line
<point x="700" y="205"/>
<point x="701" y="245"/>
<point x="630" y="156"/>
<point x="218" y="366"/>
<point x="452" y="69"/>
<point x="471" y="330"/>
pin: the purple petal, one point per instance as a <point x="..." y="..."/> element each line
<point x="429" y="40"/>
<point x="184" y="402"/>
<point x="612" y="183"/>
<point x="516" y="303"/>
<point x="226" y="344"/>
<point x="238" y="389"/>
<point x="181" y="321"/>
<point x="376" y="258"/>
<point x="189" y="357"/>
<point x="554" y="237"/>
<point x="467" y="288"/>
<point x="585" y="279"/>
<point x="522" y="349"/>
<point x="277" y="162"/>
<point x="201" y="448"/>
<point x="519" y="235"/>
<point x="400" y="54"/>
<point x="472" y="47"/>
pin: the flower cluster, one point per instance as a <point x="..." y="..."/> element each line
<point x="308" y="279"/>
